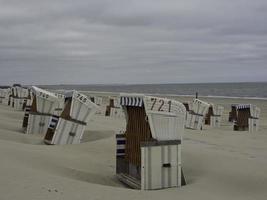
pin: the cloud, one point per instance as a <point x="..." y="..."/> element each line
<point x="118" y="41"/>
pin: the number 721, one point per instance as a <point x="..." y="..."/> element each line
<point x="161" y="102"/>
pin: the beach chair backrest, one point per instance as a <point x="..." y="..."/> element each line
<point x="45" y="101"/>
<point x="200" y="107"/>
<point x="137" y="126"/>
<point x="22" y="92"/>
<point x="166" y="118"/>
<point x="81" y="107"/>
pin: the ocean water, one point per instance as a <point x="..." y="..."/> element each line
<point x="252" y="90"/>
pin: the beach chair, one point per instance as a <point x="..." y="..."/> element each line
<point x="70" y="126"/>
<point x="247" y="118"/>
<point x="214" y="115"/>
<point x="42" y="109"/>
<point x="19" y="97"/>
<point x="233" y="113"/>
<point x="195" y="117"/>
<point x="149" y="152"/>
<point x="101" y="106"/>
<point x="114" y="109"/>
<point x="4" y="95"/>
<point x="27" y="108"/>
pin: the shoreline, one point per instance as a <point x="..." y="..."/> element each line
<point x="167" y="95"/>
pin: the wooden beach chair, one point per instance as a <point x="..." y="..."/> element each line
<point x="42" y="109"/>
<point x="4" y="95"/>
<point x="195" y="117"/>
<point x="233" y="113"/>
<point x="19" y="97"/>
<point x="99" y="100"/>
<point x="114" y="109"/>
<point x="70" y="126"/>
<point x="214" y="115"/>
<point x="247" y="118"/>
<point x="149" y="152"/>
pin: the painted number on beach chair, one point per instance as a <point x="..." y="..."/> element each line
<point x="81" y="98"/>
<point x="161" y="104"/>
<point x="41" y="94"/>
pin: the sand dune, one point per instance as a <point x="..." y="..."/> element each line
<point x="218" y="163"/>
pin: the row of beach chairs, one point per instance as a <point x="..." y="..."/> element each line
<point x="243" y="116"/>
<point x="148" y="150"/>
<point x="16" y="96"/>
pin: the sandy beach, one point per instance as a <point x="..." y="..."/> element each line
<point x="219" y="163"/>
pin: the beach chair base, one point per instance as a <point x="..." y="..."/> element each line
<point x="66" y="132"/>
<point x="38" y="123"/>
<point x="215" y="121"/>
<point x="5" y="101"/>
<point x="160" y="166"/>
<point x="240" y="128"/>
<point x="253" y="124"/>
<point x="18" y="103"/>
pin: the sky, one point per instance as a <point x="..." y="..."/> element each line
<point x="132" y="41"/>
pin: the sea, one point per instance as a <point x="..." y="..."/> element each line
<point x="255" y="90"/>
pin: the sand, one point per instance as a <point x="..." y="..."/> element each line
<point x="218" y="163"/>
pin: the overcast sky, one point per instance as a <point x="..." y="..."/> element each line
<point x="132" y="41"/>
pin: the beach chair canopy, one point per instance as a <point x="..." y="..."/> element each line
<point x="22" y="92"/>
<point x="254" y="110"/>
<point x="166" y="117"/>
<point x="44" y="100"/>
<point x="79" y="107"/>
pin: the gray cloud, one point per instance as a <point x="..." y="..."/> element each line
<point x="118" y="41"/>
